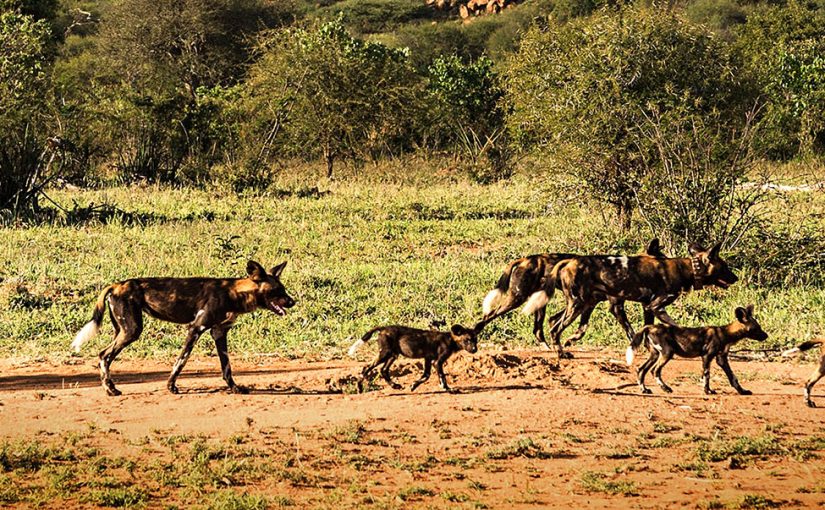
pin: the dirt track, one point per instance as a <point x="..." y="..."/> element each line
<point x="522" y="433"/>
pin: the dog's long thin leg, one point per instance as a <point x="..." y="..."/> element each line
<point x="385" y="372"/>
<point x="425" y="376"/>
<point x="641" y="372"/>
<point x="574" y="309"/>
<point x="191" y="338"/>
<point x="722" y="361"/>
<point x="128" y="320"/>
<point x="584" y="322"/>
<point x="706" y="361"/>
<point x="617" y="309"/>
<point x="657" y="372"/>
<point x="219" y="335"/>
<point x="538" y="325"/>
<point x="815" y="377"/>
<point x="439" y="369"/>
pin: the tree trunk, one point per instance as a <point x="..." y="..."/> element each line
<point x="624" y="214"/>
<point x="329" y="157"/>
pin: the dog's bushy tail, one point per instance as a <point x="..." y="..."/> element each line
<point x="494" y="296"/>
<point x="804" y="346"/>
<point x="638" y="339"/>
<point x="92" y="327"/>
<point x="354" y="347"/>
<point x="540" y="298"/>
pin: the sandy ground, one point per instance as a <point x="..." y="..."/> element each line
<point x="523" y="432"/>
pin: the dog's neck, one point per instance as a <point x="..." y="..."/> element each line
<point x="698" y="270"/>
<point x="734" y="332"/>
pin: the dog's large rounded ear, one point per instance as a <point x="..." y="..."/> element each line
<point x="654" y="249"/>
<point x="713" y="254"/>
<point x="255" y="270"/>
<point x="741" y="314"/>
<point x="695" y="249"/>
<point x="277" y="270"/>
<point x="458" y="330"/>
<point x="749" y="309"/>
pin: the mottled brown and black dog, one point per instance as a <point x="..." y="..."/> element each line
<point x="432" y="346"/>
<point x="527" y="281"/>
<point x="709" y="342"/>
<point x="655" y="282"/>
<point x="818" y="373"/>
<point x="200" y="303"/>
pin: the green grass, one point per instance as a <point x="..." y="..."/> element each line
<point x="598" y="482"/>
<point x="370" y="252"/>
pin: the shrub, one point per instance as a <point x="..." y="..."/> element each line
<point x="581" y="91"/>
<point x="321" y="91"/>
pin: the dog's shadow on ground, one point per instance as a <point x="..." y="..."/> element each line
<point x="87" y="380"/>
<point x="465" y="390"/>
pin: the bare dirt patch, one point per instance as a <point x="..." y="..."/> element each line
<point x="524" y="431"/>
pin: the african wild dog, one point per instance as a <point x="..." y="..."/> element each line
<point x="655" y="282"/>
<point x="527" y="281"/>
<point x="820" y="370"/>
<point x="200" y="303"/>
<point x="710" y="342"/>
<point x="437" y="346"/>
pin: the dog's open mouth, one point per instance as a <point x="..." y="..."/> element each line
<point x="276" y="308"/>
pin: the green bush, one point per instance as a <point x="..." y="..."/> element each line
<point x="581" y="90"/>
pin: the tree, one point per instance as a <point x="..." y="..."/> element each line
<point x="782" y="49"/>
<point x="467" y="111"/>
<point x="325" y="92"/>
<point x="163" y="62"/>
<point x="581" y="90"/>
<point x="23" y="87"/>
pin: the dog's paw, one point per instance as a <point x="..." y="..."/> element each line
<point x="396" y="386"/>
<point x="667" y="389"/>
<point x="709" y="391"/>
<point x="565" y="355"/>
<point x="172" y="389"/>
<point x="743" y="391"/>
<point x="239" y="390"/>
<point x="413" y="387"/>
<point x="810" y="403"/>
<point x="646" y="391"/>
<point x="113" y="392"/>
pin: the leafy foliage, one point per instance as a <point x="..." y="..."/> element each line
<point x="782" y="50"/>
<point x="332" y="94"/>
<point x="581" y="90"/>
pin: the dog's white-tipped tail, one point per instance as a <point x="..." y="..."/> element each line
<point x="628" y="354"/>
<point x="354" y="348"/>
<point x="536" y="301"/>
<point x="490" y="301"/>
<point x="88" y="332"/>
<point x="791" y="352"/>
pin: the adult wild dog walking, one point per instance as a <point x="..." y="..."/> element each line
<point x="527" y="281"/>
<point x="711" y="342"/>
<point x="201" y="303"/>
<point x="655" y="282"/>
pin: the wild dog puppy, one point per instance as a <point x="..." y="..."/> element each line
<point x="818" y="373"/>
<point x="527" y="281"/>
<point x="433" y="346"/>
<point x="710" y="342"/>
<point x="655" y="282"/>
<point x="201" y="303"/>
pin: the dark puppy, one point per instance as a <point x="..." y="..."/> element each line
<point x="438" y="346"/>
<point x="820" y="370"/>
<point x="200" y="303"/>
<point x="710" y="342"/>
